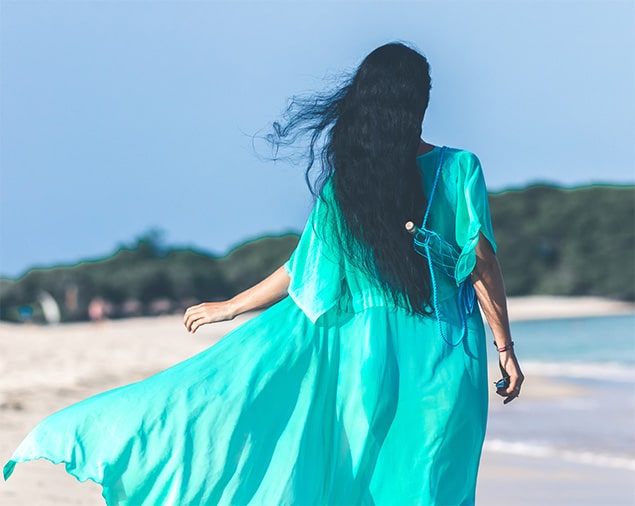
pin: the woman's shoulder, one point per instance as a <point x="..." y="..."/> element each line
<point x="463" y="164"/>
<point x="327" y="189"/>
<point x="462" y="156"/>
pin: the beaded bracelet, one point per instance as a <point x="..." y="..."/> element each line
<point x="504" y="348"/>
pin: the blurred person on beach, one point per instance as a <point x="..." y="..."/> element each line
<point x="366" y="380"/>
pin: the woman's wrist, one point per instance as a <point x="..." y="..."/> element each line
<point x="233" y="309"/>
<point x="506" y="346"/>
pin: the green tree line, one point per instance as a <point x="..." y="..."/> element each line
<point x="551" y="241"/>
<point x="556" y="241"/>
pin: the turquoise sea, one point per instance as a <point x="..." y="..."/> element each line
<point x="595" y="425"/>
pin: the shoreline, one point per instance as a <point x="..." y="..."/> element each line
<point x="520" y="308"/>
<point x="550" y="307"/>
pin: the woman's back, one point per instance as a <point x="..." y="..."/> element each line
<point x="325" y="276"/>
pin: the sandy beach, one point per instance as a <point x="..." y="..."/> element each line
<point x="540" y="307"/>
<point x="43" y="369"/>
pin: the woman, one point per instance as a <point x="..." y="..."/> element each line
<point x="368" y="383"/>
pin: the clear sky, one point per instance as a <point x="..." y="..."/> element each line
<point x="120" y="116"/>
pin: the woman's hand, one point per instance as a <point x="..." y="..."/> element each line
<point x="269" y="290"/>
<point x="509" y="367"/>
<point x="207" y="312"/>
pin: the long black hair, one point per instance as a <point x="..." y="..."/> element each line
<point x="365" y="135"/>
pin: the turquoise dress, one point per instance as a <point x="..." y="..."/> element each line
<point x="331" y="396"/>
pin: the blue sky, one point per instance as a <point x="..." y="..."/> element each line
<point x="120" y="116"/>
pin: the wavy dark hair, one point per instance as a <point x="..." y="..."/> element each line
<point x="365" y="135"/>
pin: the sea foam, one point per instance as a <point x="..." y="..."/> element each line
<point x="551" y="452"/>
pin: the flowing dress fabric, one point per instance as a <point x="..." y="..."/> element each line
<point x="331" y="396"/>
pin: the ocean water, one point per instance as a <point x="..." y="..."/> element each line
<point x="600" y="348"/>
<point x="593" y="423"/>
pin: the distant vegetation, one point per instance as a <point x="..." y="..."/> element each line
<point x="550" y="241"/>
<point x="141" y="279"/>
<point x="567" y="242"/>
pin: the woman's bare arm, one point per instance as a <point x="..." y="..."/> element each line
<point x="269" y="290"/>
<point x="490" y="292"/>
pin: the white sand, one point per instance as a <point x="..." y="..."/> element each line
<point x="43" y="369"/>
<point x="540" y="307"/>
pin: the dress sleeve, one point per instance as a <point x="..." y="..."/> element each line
<point x="472" y="216"/>
<point x="316" y="265"/>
